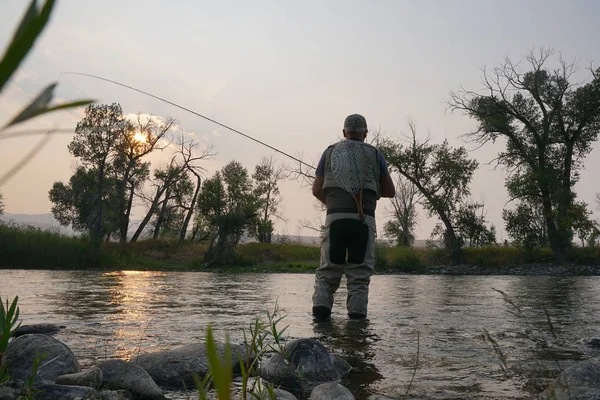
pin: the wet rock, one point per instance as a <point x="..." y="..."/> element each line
<point x="118" y="374"/>
<point x="42" y="329"/>
<point x="116" y="395"/>
<point x="331" y="390"/>
<point x="174" y="368"/>
<point x="22" y="351"/>
<point x="307" y="363"/>
<point x="7" y="393"/>
<point x="91" y="378"/>
<point x="580" y="381"/>
<point x="280" y="394"/>
<point x="52" y="391"/>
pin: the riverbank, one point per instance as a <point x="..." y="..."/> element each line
<point x="22" y="247"/>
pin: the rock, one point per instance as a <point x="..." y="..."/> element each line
<point x="52" y="391"/>
<point x="580" y="381"/>
<point x="7" y="393"/>
<point x="118" y="374"/>
<point x="331" y="390"/>
<point x="43" y="329"/>
<point x="280" y="394"/>
<point x="91" y="378"/>
<point x="116" y="395"/>
<point x="21" y="352"/>
<point x="174" y="368"/>
<point x="593" y="343"/>
<point x="307" y="363"/>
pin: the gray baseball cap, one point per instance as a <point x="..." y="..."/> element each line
<point x="355" y="121"/>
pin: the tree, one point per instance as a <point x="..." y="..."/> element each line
<point x="228" y="208"/>
<point x="94" y="143"/>
<point x="471" y="228"/>
<point x="549" y="125"/>
<point x="404" y="214"/>
<point x="266" y="177"/>
<point x="442" y="174"/>
<point x="74" y="204"/>
<point x="131" y="172"/>
<point x="1" y="204"/>
<point x="184" y="159"/>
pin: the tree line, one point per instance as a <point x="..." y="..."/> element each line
<point x="112" y="173"/>
<point x="547" y="122"/>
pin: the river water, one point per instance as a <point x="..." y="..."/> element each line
<point x="432" y="327"/>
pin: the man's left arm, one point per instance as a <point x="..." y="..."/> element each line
<point x="385" y="180"/>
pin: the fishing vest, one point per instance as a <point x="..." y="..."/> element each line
<point x="371" y="179"/>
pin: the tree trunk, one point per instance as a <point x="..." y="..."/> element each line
<point x="161" y="215"/>
<point x="190" y="213"/>
<point x="124" y="227"/>
<point x="148" y="216"/>
<point x="124" y="206"/>
<point x="97" y="231"/>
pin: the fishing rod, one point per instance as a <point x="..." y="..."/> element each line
<point x="184" y="109"/>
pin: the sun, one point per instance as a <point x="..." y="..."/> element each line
<point x="139" y="137"/>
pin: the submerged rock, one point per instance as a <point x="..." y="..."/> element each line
<point x="580" y="381"/>
<point x="175" y="368"/>
<point x="331" y="390"/>
<point x="21" y="353"/>
<point x="42" y="329"/>
<point x="306" y="364"/>
<point x="118" y="374"/>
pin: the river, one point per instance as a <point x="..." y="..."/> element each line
<point x="439" y="321"/>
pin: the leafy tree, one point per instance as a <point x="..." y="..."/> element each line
<point x="266" y="178"/>
<point x="549" y="125"/>
<point x="1" y="204"/>
<point x="526" y="226"/>
<point x="74" y="204"/>
<point x="228" y="207"/>
<point x="442" y="174"/>
<point x="472" y="229"/>
<point x="94" y="144"/>
<point x="404" y="214"/>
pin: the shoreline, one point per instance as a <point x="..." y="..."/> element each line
<point x="534" y="269"/>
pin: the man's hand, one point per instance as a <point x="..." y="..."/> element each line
<point x="317" y="189"/>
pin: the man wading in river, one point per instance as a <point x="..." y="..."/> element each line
<point x="351" y="176"/>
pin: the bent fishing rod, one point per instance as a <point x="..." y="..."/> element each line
<point x="184" y="109"/>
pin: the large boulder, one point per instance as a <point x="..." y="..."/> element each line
<point x="91" y="378"/>
<point x="331" y="390"/>
<point x="118" y="374"/>
<point x="580" y="381"/>
<point x="22" y="351"/>
<point x="175" y="368"/>
<point x="52" y="391"/>
<point x="306" y="364"/>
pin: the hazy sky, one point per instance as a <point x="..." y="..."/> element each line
<point x="285" y="72"/>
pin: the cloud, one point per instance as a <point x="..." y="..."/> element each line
<point x="216" y="132"/>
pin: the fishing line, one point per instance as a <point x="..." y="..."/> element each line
<point x="184" y="109"/>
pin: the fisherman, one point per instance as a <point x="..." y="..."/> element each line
<point x="348" y="243"/>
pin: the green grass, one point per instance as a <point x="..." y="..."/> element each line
<point x="28" y="247"/>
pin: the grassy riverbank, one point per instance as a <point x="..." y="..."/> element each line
<point x="34" y="248"/>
